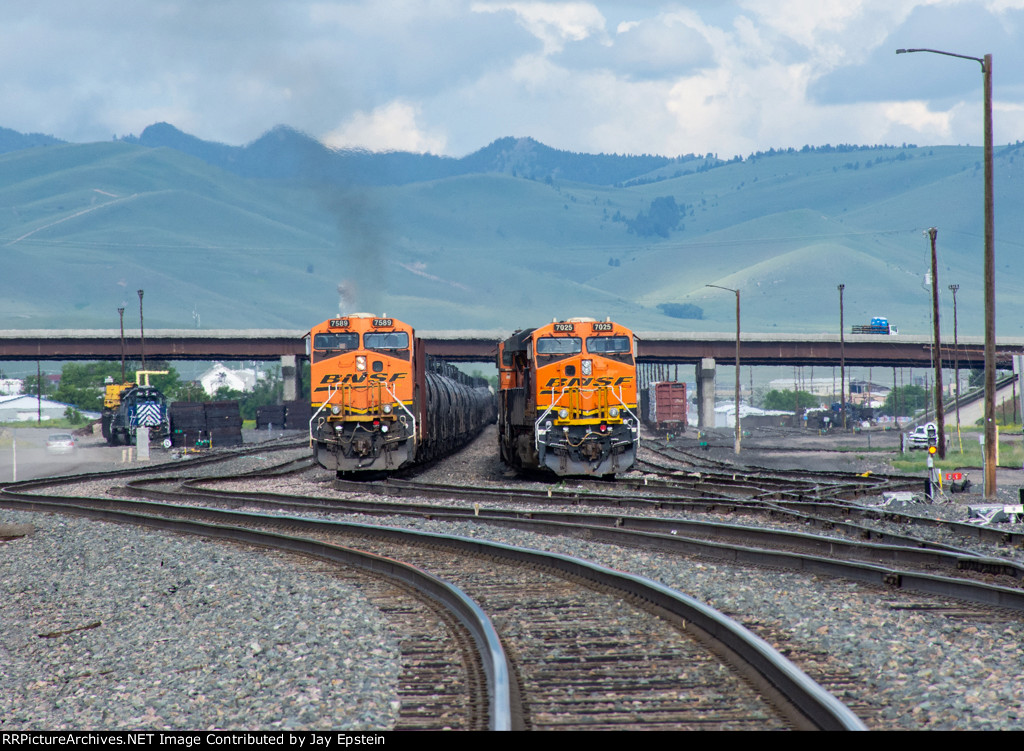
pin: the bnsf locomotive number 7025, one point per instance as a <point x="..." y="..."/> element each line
<point x="568" y="398"/>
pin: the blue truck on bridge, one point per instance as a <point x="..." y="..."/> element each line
<point x="877" y="326"/>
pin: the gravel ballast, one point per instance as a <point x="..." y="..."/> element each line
<point x="222" y="637"/>
<point x="112" y="627"/>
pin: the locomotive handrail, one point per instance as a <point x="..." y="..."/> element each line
<point x="554" y="402"/>
<point x="635" y="430"/>
<point x="537" y="425"/>
<point x="330" y="392"/>
<point x="412" y="417"/>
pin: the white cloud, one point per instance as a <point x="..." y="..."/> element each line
<point x="391" y="127"/>
<point x="917" y="116"/>
<point x="449" y="76"/>
<point x="554" y="24"/>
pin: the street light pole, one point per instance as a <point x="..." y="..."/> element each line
<point x="956" y="366"/>
<point x="990" y="297"/>
<point x="842" y="358"/>
<point x="120" y="312"/>
<point x="142" y="332"/>
<point x="739" y="431"/>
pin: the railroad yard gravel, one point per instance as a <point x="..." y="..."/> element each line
<point x="293" y="649"/>
<point x="112" y="627"/>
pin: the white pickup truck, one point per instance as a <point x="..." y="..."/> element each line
<point x="923" y="436"/>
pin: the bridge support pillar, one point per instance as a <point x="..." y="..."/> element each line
<point x="706" y="393"/>
<point x="290" y="375"/>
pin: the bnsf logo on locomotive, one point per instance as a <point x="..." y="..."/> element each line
<point x="332" y="378"/>
<point x="602" y="381"/>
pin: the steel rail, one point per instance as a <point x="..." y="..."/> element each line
<point x="874" y="573"/>
<point x="812" y="701"/>
<point x="454" y="600"/>
<point x="889" y="547"/>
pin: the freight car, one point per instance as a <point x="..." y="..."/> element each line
<point x="568" y="398"/>
<point x="133" y="405"/>
<point x="664" y="406"/>
<point x="380" y="403"/>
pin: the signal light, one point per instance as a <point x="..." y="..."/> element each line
<point x="603" y="427"/>
<point x="932" y="449"/>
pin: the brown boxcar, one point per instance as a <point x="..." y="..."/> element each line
<point x="667" y="406"/>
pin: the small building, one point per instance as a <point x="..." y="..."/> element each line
<point x="865" y="393"/>
<point x="219" y="376"/>
<point x="26" y="407"/>
<point x="11" y="386"/>
<point x="750" y="417"/>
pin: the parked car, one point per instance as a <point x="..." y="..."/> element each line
<point x="923" y="436"/>
<point x="60" y="443"/>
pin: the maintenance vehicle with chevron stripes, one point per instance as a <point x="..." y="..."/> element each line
<point x="134" y="404"/>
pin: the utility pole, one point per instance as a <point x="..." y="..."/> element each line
<point x="939" y="416"/>
<point x="956" y="365"/>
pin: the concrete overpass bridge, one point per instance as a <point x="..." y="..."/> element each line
<point x="480" y="346"/>
<point x="702" y="350"/>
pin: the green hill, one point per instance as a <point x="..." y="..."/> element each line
<point x="83" y="226"/>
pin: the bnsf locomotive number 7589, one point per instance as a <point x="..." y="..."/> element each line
<point x="380" y="404"/>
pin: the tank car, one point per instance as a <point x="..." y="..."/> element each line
<point x="380" y="403"/>
<point x="568" y="398"/>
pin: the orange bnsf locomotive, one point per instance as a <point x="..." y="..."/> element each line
<point x="567" y="401"/>
<point x="379" y="404"/>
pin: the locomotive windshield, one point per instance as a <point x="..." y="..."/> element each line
<point x="344" y="341"/>
<point x="559" y="345"/>
<point x="600" y="345"/>
<point x="386" y="340"/>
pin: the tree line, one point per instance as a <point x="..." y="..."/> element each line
<point x="82" y="386"/>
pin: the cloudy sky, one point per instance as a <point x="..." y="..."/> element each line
<point x="727" y="77"/>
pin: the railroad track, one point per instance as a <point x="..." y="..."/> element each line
<point x="630" y="512"/>
<point x="641" y="668"/>
<point x="850" y="550"/>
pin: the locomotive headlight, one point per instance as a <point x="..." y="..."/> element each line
<point x="563" y="413"/>
<point x="387" y="409"/>
<point x="587" y="367"/>
<point x="383" y="428"/>
<point x="335" y="410"/>
<point x="360" y="362"/>
<point x="613" y="412"/>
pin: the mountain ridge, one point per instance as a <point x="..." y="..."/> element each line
<point x="284" y="231"/>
